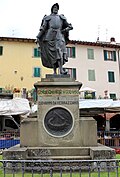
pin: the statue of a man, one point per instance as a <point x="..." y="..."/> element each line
<point x="52" y="39"/>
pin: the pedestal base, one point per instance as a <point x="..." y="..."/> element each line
<point x="83" y="135"/>
<point x="58" y="131"/>
<point x="58" y="153"/>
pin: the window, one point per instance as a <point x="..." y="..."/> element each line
<point x="1" y="89"/>
<point x="71" y="52"/>
<point x="36" y="72"/>
<point x="111" y="77"/>
<point x="110" y="55"/>
<point x="71" y="71"/>
<point x="10" y="123"/>
<point x="90" y="53"/>
<point x="36" y="52"/>
<point x="1" y="50"/>
<point x="113" y="96"/>
<point x="91" y="75"/>
<point x="89" y="95"/>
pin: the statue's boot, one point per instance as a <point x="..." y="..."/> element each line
<point x="64" y="72"/>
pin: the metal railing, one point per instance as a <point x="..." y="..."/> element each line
<point x="111" y="134"/>
<point x="109" y="138"/>
<point x="9" y="139"/>
<point x="72" y="168"/>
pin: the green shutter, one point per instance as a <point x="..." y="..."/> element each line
<point x="114" y="55"/>
<point x="90" y="53"/>
<point x="34" y="94"/>
<point x="73" y="52"/>
<point x="1" y="90"/>
<point x="113" y="79"/>
<point x="1" y="50"/>
<point x="35" y="52"/>
<point x="105" y="54"/>
<point x="74" y="73"/>
<point x="111" y="76"/>
<point x="91" y="75"/>
<point x="36" y="72"/>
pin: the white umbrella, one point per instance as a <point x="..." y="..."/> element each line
<point x="87" y="89"/>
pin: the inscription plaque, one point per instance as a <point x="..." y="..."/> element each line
<point x="58" y="121"/>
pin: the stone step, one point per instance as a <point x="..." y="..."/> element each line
<point x="58" y="151"/>
<point x="60" y="157"/>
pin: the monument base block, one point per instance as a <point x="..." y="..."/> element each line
<point x="58" y="153"/>
<point x="58" y="132"/>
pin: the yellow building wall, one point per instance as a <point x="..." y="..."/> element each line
<point x="17" y="63"/>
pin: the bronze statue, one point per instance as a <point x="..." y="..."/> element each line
<point x="52" y="39"/>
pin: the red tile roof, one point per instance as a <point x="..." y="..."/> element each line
<point x="98" y="43"/>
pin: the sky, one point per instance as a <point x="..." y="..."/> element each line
<point x="90" y="18"/>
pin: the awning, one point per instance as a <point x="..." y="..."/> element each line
<point x="15" y="106"/>
<point x="93" y="107"/>
<point x="87" y="89"/>
<point x="96" y="103"/>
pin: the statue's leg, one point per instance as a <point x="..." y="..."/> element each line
<point x="65" y="57"/>
<point x="59" y="56"/>
<point x="54" y="69"/>
<point x="60" y="66"/>
<point x="60" y="60"/>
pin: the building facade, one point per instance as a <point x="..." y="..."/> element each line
<point x="20" y="64"/>
<point x="95" y="64"/>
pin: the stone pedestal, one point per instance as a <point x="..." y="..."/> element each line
<point x="58" y="123"/>
<point x="58" y="131"/>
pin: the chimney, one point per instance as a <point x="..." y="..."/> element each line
<point x="112" y="40"/>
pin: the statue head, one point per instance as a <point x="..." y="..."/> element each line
<point x="54" y="5"/>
